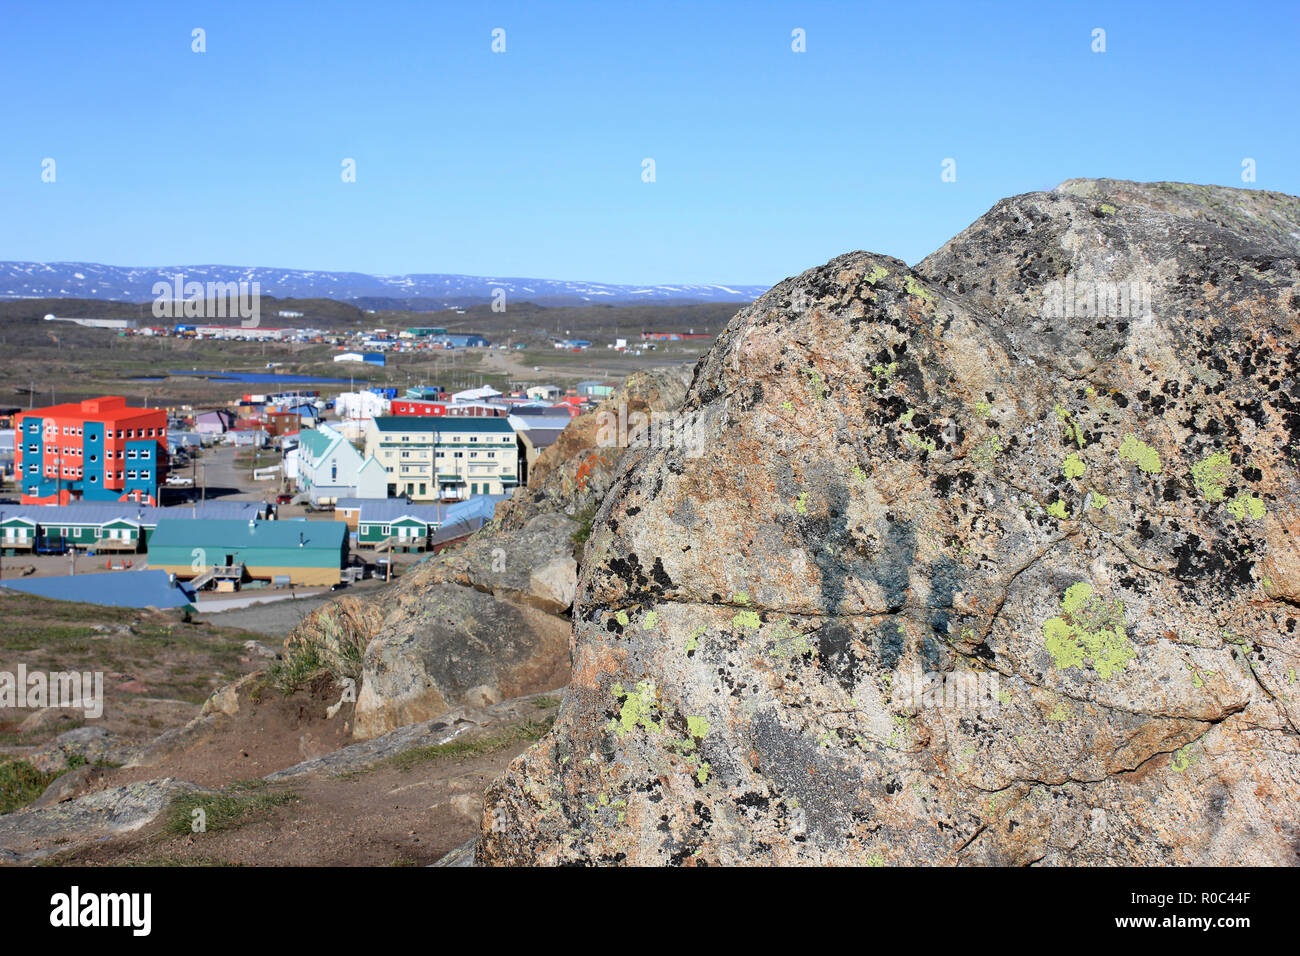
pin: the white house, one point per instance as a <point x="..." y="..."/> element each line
<point x="330" y="467"/>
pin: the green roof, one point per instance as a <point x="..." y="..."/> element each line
<point x="226" y="533"/>
<point x="443" y="423"/>
<point x="314" y="442"/>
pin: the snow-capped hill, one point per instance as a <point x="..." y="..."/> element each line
<point x="85" y="280"/>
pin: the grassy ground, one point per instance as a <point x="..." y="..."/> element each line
<point x="155" y="666"/>
<point x="20" y="784"/>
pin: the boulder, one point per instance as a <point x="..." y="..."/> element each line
<point x="84" y="745"/>
<point x="37" y="832"/>
<point x="448" y="644"/>
<point x="989" y="561"/>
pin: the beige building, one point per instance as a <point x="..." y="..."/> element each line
<point x="451" y="457"/>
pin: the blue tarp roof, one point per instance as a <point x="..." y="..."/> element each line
<point x="151" y="588"/>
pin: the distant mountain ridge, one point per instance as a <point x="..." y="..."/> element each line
<point x="29" y="280"/>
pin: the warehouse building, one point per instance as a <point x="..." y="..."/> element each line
<point x="302" y="553"/>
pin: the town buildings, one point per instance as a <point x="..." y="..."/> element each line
<point x="99" y="449"/>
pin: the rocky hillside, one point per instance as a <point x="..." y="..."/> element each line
<point x="991" y="561"/>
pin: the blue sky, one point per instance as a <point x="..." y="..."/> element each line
<point x="528" y="163"/>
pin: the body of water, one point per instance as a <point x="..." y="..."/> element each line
<point x="257" y="378"/>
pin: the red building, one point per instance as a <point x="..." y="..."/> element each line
<point x="406" y="406"/>
<point x="96" y="450"/>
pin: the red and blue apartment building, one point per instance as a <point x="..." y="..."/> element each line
<point x="99" y="449"/>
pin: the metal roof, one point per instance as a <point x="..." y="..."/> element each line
<point x="149" y="588"/>
<point x="443" y="423"/>
<point x="101" y="512"/>
<point x="246" y="534"/>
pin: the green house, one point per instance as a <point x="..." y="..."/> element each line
<point x="17" y="533"/>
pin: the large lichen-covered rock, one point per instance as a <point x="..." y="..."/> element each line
<point x="967" y="573"/>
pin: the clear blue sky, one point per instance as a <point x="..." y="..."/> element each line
<point x="528" y="163"/>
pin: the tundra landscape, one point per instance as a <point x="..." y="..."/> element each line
<point x="442" y="443"/>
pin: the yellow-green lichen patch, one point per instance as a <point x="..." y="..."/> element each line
<point x="801" y="503"/>
<point x="1199" y="678"/>
<point x="740" y="597"/>
<point x="697" y="726"/>
<point x="622" y="618"/>
<point x="875" y="860"/>
<point x="1058" y="510"/>
<point x="1073" y="466"/>
<point x="637" y="708"/>
<point x="899" y="734"/>
<point x="987" y="451"/>
<point x="915" y="288"/>
<point x="1247" y="506"/>
<point x="982" y="409"/>
<point x="815" y="383"/>
<point x="1108" y="209"/>
<point x="1182" y="759"/>
<point x="693" y="641"/>
<point x="876" y="274"/>
<point x="1089" y="631"/>
<point x="882" y="374"/>
<point x="859" y="475"/>
<point x="1210" y="475"/>
<point x="1060" y="713"/>
<point x="746" y="620"/>
<point x="650" y="620"/>
<point x="1139" y="452"/>
<point x="1100" y="501"/>
<point x="924" y="444"/>
<point x="787" y="642"/>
